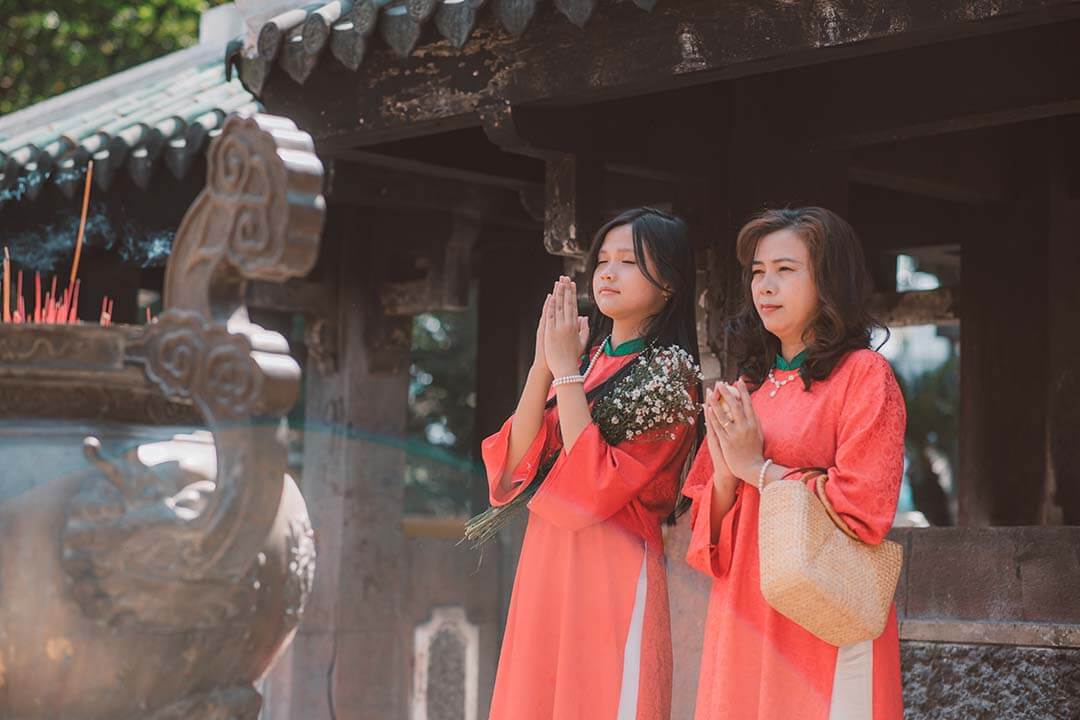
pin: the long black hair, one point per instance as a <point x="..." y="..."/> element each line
<point x="664" y="240"/>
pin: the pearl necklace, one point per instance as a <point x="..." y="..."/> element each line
<point x="779" y="383"/>
<point x="576" y="378"/>
<point x="595" y="357"/>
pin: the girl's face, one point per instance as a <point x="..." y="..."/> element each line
<point x="783" y="286"/>
<point x="622" y="291"/>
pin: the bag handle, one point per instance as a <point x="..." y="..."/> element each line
<point x="833" y="515"/>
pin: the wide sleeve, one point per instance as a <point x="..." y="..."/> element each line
<point x="595" y="479"/>
<point x="494" y="449"/>
<point x="703" y="554"/>
<point x="864" y="482"/>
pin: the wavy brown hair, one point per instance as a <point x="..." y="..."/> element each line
<point x="842" y="322"/>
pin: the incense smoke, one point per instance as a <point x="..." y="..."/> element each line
<point x="31" y="181"/>
<point x="50" y="247"/>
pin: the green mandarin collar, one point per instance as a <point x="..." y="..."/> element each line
<point x="627" y="348"/>
<point x="795" y="364"/>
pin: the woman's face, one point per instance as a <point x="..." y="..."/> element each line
<point x="622" y="292"/>
<point x="783" y="285"/>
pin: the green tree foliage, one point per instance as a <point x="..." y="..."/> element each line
<point x="933" y="401"/>
<point x="442" y="412"/>
<point x="50" y="48"/>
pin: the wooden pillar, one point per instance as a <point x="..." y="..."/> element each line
<point x="375" y="374"/>
<point x="349" y="659"/>
<point x="1003" y="348"/>
<point x="1064" y="320"/>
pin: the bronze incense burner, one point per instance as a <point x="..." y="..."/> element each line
<point x="155" y="556"/>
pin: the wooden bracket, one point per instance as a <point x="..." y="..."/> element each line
<point x="919" y="307"/>
<point x="442" y="266"/>
<point x="316" y="302"/>
<point x="573" y="178"/>
<point x="537" y="132"/>
<point x="574" y="203"/>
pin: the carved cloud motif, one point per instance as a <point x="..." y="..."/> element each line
<point x="241" y="187"/>
<point x="188" y="357"/>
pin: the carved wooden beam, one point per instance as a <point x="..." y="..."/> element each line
<point x="624" y="52"/>
<point x="573" y="177"/>
<point x="396" y="166"/>
<point x="966" y="168"/>
<point x="444" y="262"/>
<point x="538" y="131"/>
<point x="372" y="180"/>
<point x="977" y="83"/>
<point x="377" y="178"/>
<point x="302" y="296"/>
<point x="887" y="220"/>
<point x="920" y="307"/>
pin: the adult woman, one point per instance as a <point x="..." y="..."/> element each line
<point x="804" y="319"/>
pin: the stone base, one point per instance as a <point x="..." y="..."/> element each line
<point x="946" y="681"/>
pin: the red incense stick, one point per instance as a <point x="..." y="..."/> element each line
<point x="73" y="313"/>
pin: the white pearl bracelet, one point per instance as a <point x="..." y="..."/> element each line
<point x="567" y="380"/>
<point x="761" y="475"/>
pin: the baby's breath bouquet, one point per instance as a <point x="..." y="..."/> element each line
<point x="649" y="402"/>
<point x="652" y="399"/>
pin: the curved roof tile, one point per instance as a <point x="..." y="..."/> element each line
<point x="142" y="116"/>
<point x="299" y="38"/>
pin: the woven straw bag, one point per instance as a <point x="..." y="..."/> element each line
<point x="816" y="572"/>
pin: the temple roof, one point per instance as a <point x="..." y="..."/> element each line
<point x="161" y="112"/>
<point x="343" y="30"/>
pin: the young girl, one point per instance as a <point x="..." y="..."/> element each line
<point x="588" y="630"/>
<point x="811" y="394"/>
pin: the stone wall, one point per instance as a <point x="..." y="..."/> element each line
<point x="990" y="622"/>
<point x="952" y="681"/>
